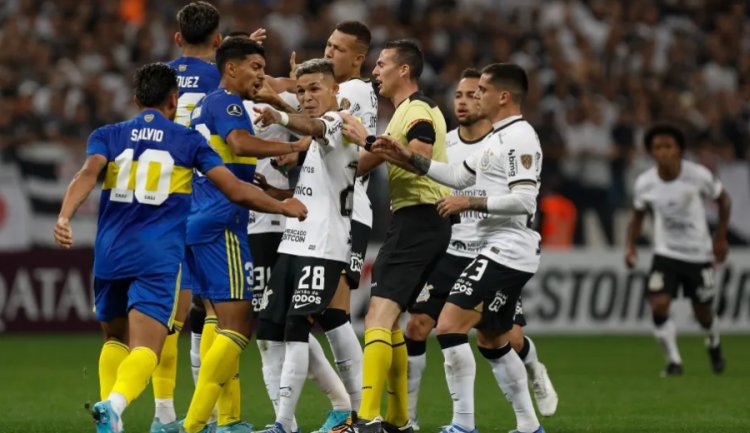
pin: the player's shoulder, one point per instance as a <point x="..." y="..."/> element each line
<point x="517" y="133"/>
<point x="224" y="100"/>
<point x="647" y="179"/>
<point x="693" y="170"/>
<point x="452" y="138"/>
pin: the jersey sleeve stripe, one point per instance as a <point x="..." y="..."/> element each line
<point x="471" y="170"/>
<point x="181" y="181"/>
<point x="521" y="182"/>
<point x="226" y="153"/>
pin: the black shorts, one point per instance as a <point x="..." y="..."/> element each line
<point x="360" y="237"/>
<point x="263" y="248"/>
<point x="435" y="292"/>
<point x="491" y="289"/>
<point x="416" y="240"/>
<point x="299" y="286"/>
<point x="696" y="279"/>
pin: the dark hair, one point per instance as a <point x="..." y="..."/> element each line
<point x="313" y="66"/>
<point x="236" y="48"/>
<point x="236" y="33"/>
<point x="357" y="29"/>
<point x="664" y="129"/>
<point x="408" y="53"/>
<point x="510" y="77"/>
<point x="153" y="83"/>
<point x="198" y="21"/>
<point x="470" y="73"/>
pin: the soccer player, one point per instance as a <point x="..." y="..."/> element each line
<point x="486" y="293"/>
<point x="312" y="255"/>
<point x="473" y="134"/>
<point x="198" y="37"/>
<point x="219" y="254"/>
<point x="148" y="163"/>
<point x="415" y="241"/>
<point x="684" y="257"/>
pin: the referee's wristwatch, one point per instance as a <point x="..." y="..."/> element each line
<point x="369" y="141"/>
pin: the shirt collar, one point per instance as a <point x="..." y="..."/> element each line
<point x="502" y="123"/>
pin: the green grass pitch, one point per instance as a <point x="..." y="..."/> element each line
<point x="606" y="384"/>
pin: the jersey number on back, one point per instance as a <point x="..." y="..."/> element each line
<point x="153" y="177"/>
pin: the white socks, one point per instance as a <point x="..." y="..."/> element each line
<point x="165" y="410"/>
<point x="347" y="353"/>
<point x="530" y="360"/>
<point x="460" y="371"/>
<point x="666" y="335"/>
<point x="712" y="334"/>
<point x="294" y="373"/>
<point x="510" y="374"/>
<point x="195" y="354"/>
<point x="417" y="365"/>
<point x="323" y="374"/>
<point x="272" y="356"/>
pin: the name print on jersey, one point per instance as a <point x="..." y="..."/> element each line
<point x="188" y="82"/>
<point x="149" y="134"/>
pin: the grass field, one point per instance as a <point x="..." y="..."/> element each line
<point x="606" y="384"/>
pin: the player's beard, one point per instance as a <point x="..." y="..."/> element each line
<point x="469" y="120"/>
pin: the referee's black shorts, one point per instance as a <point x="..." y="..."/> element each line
<point x="416" y="240"/>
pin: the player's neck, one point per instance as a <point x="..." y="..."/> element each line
<point x="475" y="131"/>
<point x="207" y="53"/>
<point x="349" y="76"/>
<point x="506" y="112"/>
<point x="228" y="84"/>
<point x="668" y="172"/>
<point x="404" y="92"/>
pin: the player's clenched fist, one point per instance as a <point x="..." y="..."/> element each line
<point x="294" y="208"/>
<point x="63" y="233"/>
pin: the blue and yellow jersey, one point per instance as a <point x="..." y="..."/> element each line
<point x="196" y="78"/>
<point x="145" y="197"/>
<point x="216" y="115"/>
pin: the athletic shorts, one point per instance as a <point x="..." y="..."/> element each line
<point x="153" y="295"/>
<point x="491" y="289"/>
<point x="264" y="250"/>
<point x="223" y="268"/>
<point x="188" y="281"/>
<point x="438" y="286"/>
<point x="416" y="240"/>
<point x="360" y="237"/>
<point x="300" y="286"/>
<point x="696" y="279"/>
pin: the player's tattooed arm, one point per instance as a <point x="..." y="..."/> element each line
<point x="478" y="203"/>
<point x="420" y="163"/>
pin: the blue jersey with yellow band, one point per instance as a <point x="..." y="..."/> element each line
<point x="216" y="115"/>
<point x="145" y="197"/>
<point x="195" y="78"/>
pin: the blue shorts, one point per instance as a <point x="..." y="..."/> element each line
<point x="223" y="268"/>
<point x="188" y="280"/>
<point x="153" y="295"/>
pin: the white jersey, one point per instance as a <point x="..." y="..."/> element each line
<point x="465" y="238"/>
<point x="512" y="156"/>
<point x="680" y="227"/>
<point x="358" y="98"/>
<point x="262" y="222"/>
<point x="326" y="187"/>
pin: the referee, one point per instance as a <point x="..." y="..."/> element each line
<point x="416" y="239"/>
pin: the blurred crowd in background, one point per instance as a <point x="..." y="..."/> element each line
<point x="601" y="71"/>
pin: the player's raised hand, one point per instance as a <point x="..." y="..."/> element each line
<point x="260" y="181"/>
<point x="258" y="36"/>
<point x="294" y="208"/>
<point x="631" y="257"/>
<point x="721" y="248"/>
<point x="387" y="146"/>
<point x="63" y="233"/>
<point x="266" y="116"/>
<point x="302" y="144"/>
<point x="293" y="65"/>
<point x="353" y="129"/>
<point x="452" y="205"/>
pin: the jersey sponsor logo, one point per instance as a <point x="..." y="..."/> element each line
<point x="512" y="163"/>
<point x="234" y="110"/>
<point x="468" y="246"/>
<point x="149" y="134"/>
<point x="264" y="300"/>
<point x="462" y="286"/>
<point x="148" y="117"/>
<point x="526" y="161"/>
<point x="303" y="190"/>
<point x="308" y="169"/>
<point x="356" y="262"/>
<point x="497" y="303"/>
<point x="188" y="82"/>
<point x="292" y="235"/>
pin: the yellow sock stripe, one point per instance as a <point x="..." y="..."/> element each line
<point x="229" y="263"/>
<point x="176" y="296"/>
<point x="117" y="343"/>
<point x="177" y="325"/>
<point x="211" y="319"/>
<point x="236" y="337"/>
<point x="240" y="274"/>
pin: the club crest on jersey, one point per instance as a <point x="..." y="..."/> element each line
<point x="484" y="163"/>
<point x="526" y="161"/>
<point x="234" y="110"/>
<point x="148" y="117"/>
<point x="345" y="104"/>
<point x="182" y="68"/>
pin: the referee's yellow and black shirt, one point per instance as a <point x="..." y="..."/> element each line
<point x="417" y="117"/>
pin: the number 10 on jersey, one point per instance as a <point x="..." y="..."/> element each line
<point x="149" y="178"/>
